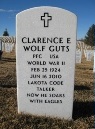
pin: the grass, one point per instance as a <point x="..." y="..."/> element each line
<point x="83" y="109"/>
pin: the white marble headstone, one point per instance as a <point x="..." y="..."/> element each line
<point x="78" y="56"/>
<point x="45" y="55"/>
<point x="3" y="46"/>
<point x="89" y="55"/>
<point x="94" y="64"/>
<point x="7" y="47"/>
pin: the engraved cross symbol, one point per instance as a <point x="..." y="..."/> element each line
<point x="46" y="18"/>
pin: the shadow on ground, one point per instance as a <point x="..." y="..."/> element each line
<point x="8" y="86"/>
<point x="81" y="87"/>
<point x="8" y="59"/>
<point x="83" y="109"/>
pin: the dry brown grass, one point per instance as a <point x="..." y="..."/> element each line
<point x="83" y="112"/>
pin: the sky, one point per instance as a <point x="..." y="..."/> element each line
<point x="84" y="9"/>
